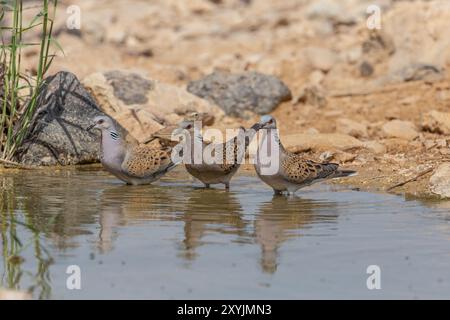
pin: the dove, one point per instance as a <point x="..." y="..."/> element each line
<point x="293" y="171"/>
<point x="132" y="163"/>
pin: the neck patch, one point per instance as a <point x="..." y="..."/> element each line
<point x="114" y="135"/>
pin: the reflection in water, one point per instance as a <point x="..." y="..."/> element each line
<point x="71" y="214"/>
<point x="201" y="210"/>
<point x="63" y="205"/>
<point x="283" y="218"/>
<point x="205" y="211"/>
<point x="209" y="210"/>
<point x="122" y="205"/>
<point x="19" y="234"/>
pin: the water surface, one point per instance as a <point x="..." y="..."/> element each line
<point x="176" y="240"/>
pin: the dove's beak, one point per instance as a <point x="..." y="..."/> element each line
<point x="256" y="126"/>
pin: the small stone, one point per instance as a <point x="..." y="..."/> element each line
<point x="316" y="77"/>
<point x="375" y="147"/>
<point x="320" y="142"/>
<point x="343" y="157"/>
<point x="441" y="143"/>
<point x="115" y="34"/>
<point x="366" y="69"/>
<point x="93" y="31"/>
<point x="420" y="71"/>
<point x="8" y="294"/>
<point x="321" y="58"/>
<point x="352" y="128"/>
<point x="440" y="181"/>
<point x="326" y="156"/>
<point x="409" y="100"/>
<point x="378" y="42"/>
<point x="429" y="144"/>
<point x="312" y="95"/>
<point x="443" y="95"/>
<point x="330" y="10"/>
<point x="436" y="122"/>
<point x="396" y="144"/>
<point x="400" y="129"/>
<point x="354" y="55"/>
<point x="312" y="131"/>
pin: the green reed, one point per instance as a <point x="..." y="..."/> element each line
<point x="19" y="91"/>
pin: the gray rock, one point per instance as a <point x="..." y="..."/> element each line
<point x="421" y="71"/>
<point x="131" y="88"/>
<point x="238" y="93"/>
<point x="57" y="133"/>
<point x="366" y="69"/>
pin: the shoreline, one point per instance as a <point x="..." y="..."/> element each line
<point x="366" y="180"/>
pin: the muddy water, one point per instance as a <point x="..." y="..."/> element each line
<point x="177" y="240"/>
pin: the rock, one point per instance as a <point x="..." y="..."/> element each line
<point x="420" y="71"/>
<point x="115" y="34"/>
<point x="436" y="122"/>
<point x="7" y="294"/>
<point x="440" y="181"/>
<point x="346" y="12"/>
<point x="328" y="9"/>
<point x="339" y="156"/>
<point x="396" y="145"/>
<point x="320" y="142"/>
<point x="366" y="69"/>
<point x="237" y="93"/>
<point x="343" y="157"/>
<point x="429" y="144"/>
<point x="312" y="131"/>
<point x="57" y="133"/>
<point x="400" y="129"/>
<point x="352" y="128"/>
<point x="353" y="55"/>
<point x="321" y="58"/>
<point x="443" y="95"/>
<point x="313" y="95"/>
<point x="142" y="105"/>
<point x="441" y="143"/>
<point x="316" y="77"/>
<point x="375" y="147"/>
<point x="378" y="43"/>
<point x="326" y="156"/>
<point x="93" y="31"/>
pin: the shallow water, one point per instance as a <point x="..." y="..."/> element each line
<point x="175" y="239"/>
